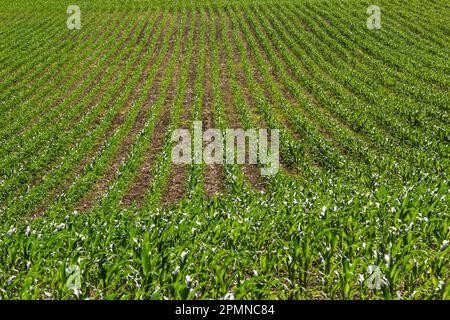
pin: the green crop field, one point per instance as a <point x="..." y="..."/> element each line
<point x="93" y="207"/>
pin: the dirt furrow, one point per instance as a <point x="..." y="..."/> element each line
<point x="138" y="190"/>
<point x="177" y="181"/>
<point x="118" y="159"/>
<point x="251" y="172"/>
<point x="214" y="174"/>
<point x="115" y="123"/>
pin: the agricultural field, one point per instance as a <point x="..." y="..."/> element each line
<point x="93" y="207"/>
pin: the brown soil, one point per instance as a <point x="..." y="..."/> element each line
<point x="95" y="194"/>
<point x="137" y="192"/>
<point x="214" y="174"/>
<point x="177" y="181"/>
<point x="252" y="172"/>
<point x="96" y="147"/>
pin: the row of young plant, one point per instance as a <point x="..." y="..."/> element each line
<point x="425" y="92"/>
<point x="358" y="119"/>
<point x="50" y="110"/>
<point x="39" y="69"/>
<point x="324" y="149"/>
<point x="431" y="42"/>
<point x="302" y="54"/>
<point x="33" y="37"/>
<point x="94" y="172"/>
<point x="234" y="182"/>
<point x="115" y="98"/>
<point x="139" y="151"/>
<point x="361" y="70"/>
<point x="312" y="237"/>
<point x="309" y="122"/>
<point x="72" y="84"/>
<point x="48" y="141"/>
<point x="398" y="60"/>
<point x="346" y="287"/>
<point x="303" y="124"/>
